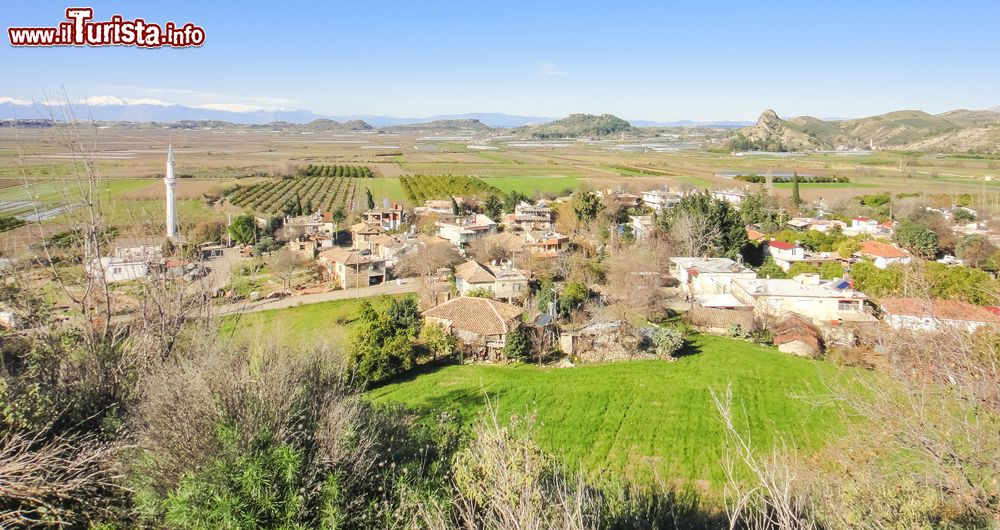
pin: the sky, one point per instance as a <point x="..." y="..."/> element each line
<point x="656" y="60"/>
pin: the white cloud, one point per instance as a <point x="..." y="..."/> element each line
<point x="14" y="101"/>
<point x="550" y="70"/>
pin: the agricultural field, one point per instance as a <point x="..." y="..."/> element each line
<point x="419" y="188"/>
<point x="646" y="420"/>
<point x="315" y="188"/>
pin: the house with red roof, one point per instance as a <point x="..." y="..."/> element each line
<point x="919" y="314"/>
<point x="787" y="254"/>
<point x="883" y="254"/>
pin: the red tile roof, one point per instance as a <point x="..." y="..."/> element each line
<point x="482" y="316"/>
<point x="943" y="309"/>
<point x="780" y="244"/>
<point x="754" y="235"/>
<point x="881" y="250"/>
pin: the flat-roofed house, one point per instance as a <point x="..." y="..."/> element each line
<point x="529" y="217"/>
<point x="708" y="276"/>
<point x="481" y="323"/>
<point x="545" y="243"/>
<point x="863" y="225"/>
<point x="733" y="196"/>
<point x="660" y="199"/>
<point x="114" y="270"/>
<point x="462" y="230"/>
<point x="822" y="301"/>
<point x="642" y="226"/>
<point x="350" y="268"/>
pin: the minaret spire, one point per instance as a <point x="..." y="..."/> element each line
<point x="170" y="181"/>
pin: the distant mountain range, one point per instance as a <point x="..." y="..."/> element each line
<point x="953" y="131"/>
<point x="120" y="110"/>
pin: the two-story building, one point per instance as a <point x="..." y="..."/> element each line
<point x="545" y="243"/>
<point x="463" y="230"/>
<point x="349" y="268"/>
<point x="642" y="226"/>
<point x="529" y="217"/>
<point x="707" y="276"/>
<point x="787" y="254"/>
<point x="388" y="219"/>
<point x="863" y="225"/>
<point x="733" y="196"/>
<point x="660" y="199"/>
<point x="822" y="301"/>
<point x="506" y="282"/>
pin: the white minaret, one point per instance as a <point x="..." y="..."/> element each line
<point x="170" y="181"/>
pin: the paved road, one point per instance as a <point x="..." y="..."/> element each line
<point x="405" y="285"/>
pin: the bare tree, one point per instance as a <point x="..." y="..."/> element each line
<point x="696" y="235"/>
<point x="285" y="263"/>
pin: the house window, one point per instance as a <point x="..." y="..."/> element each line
<point x="847" y="305"/>
<point x="116" y="270"/>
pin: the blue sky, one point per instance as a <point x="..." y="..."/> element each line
<point x="640" y="60"/>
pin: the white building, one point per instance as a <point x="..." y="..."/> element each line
<point x="733" y="196"/>
<point x="114" y="270"/>
<point x="883" y="254"/>
<point x="863" y="225"/>
<point x="461" y="231"/>
<point x="660" y="199"/>
<point x="917" y="314"/>
<point x="529" y="217"/>
<point x="787" y="254"/>
<point x="822" y="301"/>
<point x="708" y="276"/>
<point x="506" y="282"/>
<point x="642" y="226"/>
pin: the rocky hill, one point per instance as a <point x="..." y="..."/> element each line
<point x="953" y="131"/>
<point x="579" y="126"/>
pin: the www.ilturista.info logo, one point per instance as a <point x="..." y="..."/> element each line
<point x="79" y="30"/>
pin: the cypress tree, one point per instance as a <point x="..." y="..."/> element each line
<point x="796" y="199"/>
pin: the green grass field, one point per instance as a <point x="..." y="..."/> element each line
<point x="531" y="185"/>
<point x="643" y="420"/>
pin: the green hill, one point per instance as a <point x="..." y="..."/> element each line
<point x="579" y="126"/>
<point x="642" y="419"/>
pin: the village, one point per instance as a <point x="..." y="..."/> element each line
<point x="592" y="276"/>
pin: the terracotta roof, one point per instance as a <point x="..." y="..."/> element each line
<point x="754" y="234"/>
<point x="482" y="316"/>
<point x="473" y="272"/>
<point x="780" y="244"/>
<point x="863" y="219"/>
<point x="943" y="309"/>
<point x="365" y="228"/>
<point x="882" y="250"/>
<point x="347" y="256"/>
